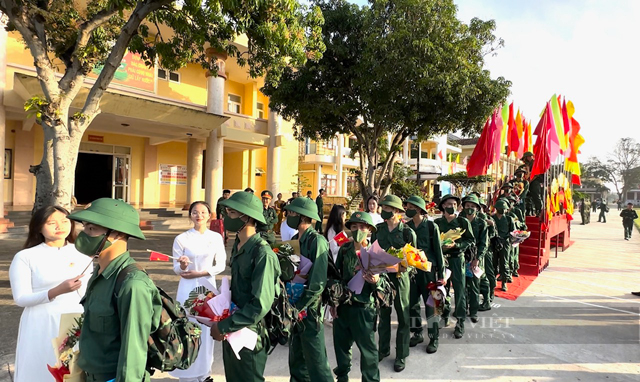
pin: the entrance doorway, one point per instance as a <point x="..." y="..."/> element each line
<point x="94" y="177"/>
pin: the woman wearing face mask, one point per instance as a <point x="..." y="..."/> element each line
<point x="428" y="237"/>
<point x="372" y="208"/>
<point x="355" y="322"/>
<point x="480" y="228"/>
<point x="46" y="280"/>
<point x="200" y="257"/>
<point x="454" y="254"/>
<point x="335" y="225"/>
<point x="394" y="233"/>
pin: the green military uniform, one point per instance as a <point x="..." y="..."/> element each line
<point x="455" y="258"/>
<point x="266" y="230"/>
<point x="481" y="234"/>
<point x="397" y="238"/>
<point x="520" y="224"/>
<point x="603" y="212"/>
<point x="488" y="279"/>
<point x="628" y="216"/>
<point x="307" y="352"/>
<point x="356" y="321"/>
<point x="220" y="211"/>
<point x="504" y="226"/>
<point x="534" y="197"/>
<point x="320" y="205"/>
<point x="113" y="343"/>
<point x="428" y="240"/>
<point x="254" y="282"/>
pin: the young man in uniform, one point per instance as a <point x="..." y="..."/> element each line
<point x="356" y="321"/>
<point x="488" y="279"/>
<point x="428" y="240"/>
<point x="254" y="277"/>
<point x="520" y="224"/>
<point x="270" y="218"/>
<point x="220" y="212"/>
<point x="454" y="254"/>
<point x="393" y="233"/>
<point x="320" y="205"/>
<point x="504" y="226"/>
<point x="603" y="210"/>
<point x="471" y="206"/>
<point x="307" y="352"/>
<point x="113" y="342"/>
<point x="628" y="216"/>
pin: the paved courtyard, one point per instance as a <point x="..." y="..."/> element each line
<point x="576" y="322"/>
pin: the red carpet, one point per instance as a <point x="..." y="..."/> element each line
<point x="516" y="288"/>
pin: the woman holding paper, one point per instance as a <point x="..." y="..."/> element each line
<point x="46" y="280"/>
<point x="200" y="255"/>
<point x="355" y="322"/>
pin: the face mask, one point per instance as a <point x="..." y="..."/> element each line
<point x="386" y="215"/>
<point x="293" y="221"/>
<point x="92" y="245"/>
<point x="469" y="211"/>
<point x="359" y="236"/>
<point x="234" y="225"/>
<point x="411" y="213"/>
<point x="450" y="210"/>
<point x="500" y="211"/>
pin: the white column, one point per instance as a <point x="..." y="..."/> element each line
<point x="215" y="142"/>
<point x="318" y="180"/>
<point x="274" y="124"/>
<point x="194" y="170"/>
<point x="3" y="120"/>
<point x="339" y="150"/>
<point x="405" y="152"/>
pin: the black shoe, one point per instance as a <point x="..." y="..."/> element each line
<point x="208" y="379"/>
<point x="504" y="287"/>
<point x="416" y="339"/>
<point x="458" y="332"/>
<point x="515" y="274"/>
<point x="432" y="347"/>
<point x="509" y="280"/>
<point x="484" y="307"/>
<point x="445" y="322"/>
<point x="474" y="319"/>
<point x="399" y="365"/>
<point x="636" y="293"/>
<point x="382" y="356"/>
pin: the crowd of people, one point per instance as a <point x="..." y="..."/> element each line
<point x="52" y="276"/>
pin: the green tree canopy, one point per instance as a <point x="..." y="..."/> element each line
<point x="74" y="36"/>
<point x="392" y="70"/>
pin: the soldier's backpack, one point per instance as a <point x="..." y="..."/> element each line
<point x="175" y="344"/>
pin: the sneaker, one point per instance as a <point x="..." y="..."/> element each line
<point x="399" y="365"/>
<point x="432" y="347"/>
<point x="416" y="339"/>
<point x="458" y="332"/>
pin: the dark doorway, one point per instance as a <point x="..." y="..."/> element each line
<point x="94" y="177"/>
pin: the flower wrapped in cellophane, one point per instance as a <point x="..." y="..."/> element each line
<point x="376" y="260"/>
<point x="416" y="258"/>
<point x="66" y="349"/>
<point x="518" y="237"/>
<point x="207" y="306"/>
<point x="451" y="236"/>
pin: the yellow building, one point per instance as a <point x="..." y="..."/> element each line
<point x="163" y="138"/>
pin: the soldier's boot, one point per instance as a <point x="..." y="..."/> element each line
<point x="416" y="339"/>
<point x="434" y="333"/>
<point x="459" y="330"/>
<point x="504" y="286"/>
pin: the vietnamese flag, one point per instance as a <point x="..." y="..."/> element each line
<point x="479" y="161"/>
<point x="157" y="256"/>
<point x="341" y="239"/>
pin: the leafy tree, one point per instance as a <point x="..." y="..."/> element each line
<point x="462" y="183"/>
<point x="393" y="69"/>
<point x="400" y="185"/>
<point x="71" y="38"/>
<point x="622" y="167"/>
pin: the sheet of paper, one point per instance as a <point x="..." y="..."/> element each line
<point x="243" y="338"/>
<point x="303" y="270"/>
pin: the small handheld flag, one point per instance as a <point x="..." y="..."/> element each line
<point x="341" y="239"/>
<point x="157" y="256"/>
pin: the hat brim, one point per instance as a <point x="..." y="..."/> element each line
<point x="372" y="228"/>
<point x="234" y="205"/>
<point x="470" y="201"/>
<point x="303" y="212"/>
<point x="92" y="217"/>
<point x="457" y="199"/>
<point x="414" y="204"/>
<point x="393" y="205"/>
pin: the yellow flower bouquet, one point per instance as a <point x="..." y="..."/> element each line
<point x="416" y="258"/>
<point x="451" y="236"/>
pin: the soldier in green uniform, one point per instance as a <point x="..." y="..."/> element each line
<point x="254" y="274"/>
<point x="488" y="279"/>
<point x="117" y="324"/>
<point x="428" y="237"/>
<point x="320" y="205"/>
<point x="393" y="233"/>
<point x="628" y="215"/>
<point x="504" y="226"/>
<point x="528" y="159"/>
<point x="356" y="321"/>
<point x="270" y="219"/>
<point x="480" y="228"/>
<point x="603" y="211"/>
<point x="454" y="254"/>
<point x="307" y="352"/>
<point x="520" y="177"/>
<point x="533" y="202"/>
<point x="520" y="224"/>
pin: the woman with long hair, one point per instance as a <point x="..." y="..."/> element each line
<point x="46" y="280"/>
<point x="371" y="206"/>
<point x="335" y="225"/>
<point x="200" y="257"/>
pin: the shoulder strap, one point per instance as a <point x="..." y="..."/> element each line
<point x="124" y="272"/>
<point x="406" y="234"/>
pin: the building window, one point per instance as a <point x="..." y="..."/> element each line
<point x="330" y="144"/>
<point x="234" y="103"/>
<point x="165" y="75"/>
<point x="329" y="183"/>
<point x="260" y="107"/>
<point x="310" y="147"/>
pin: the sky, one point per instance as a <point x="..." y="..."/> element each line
<point x="586" y="50"/>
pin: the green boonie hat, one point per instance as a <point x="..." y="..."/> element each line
<point x="392" y="201"/>
<point x="266" y="194"/>
<point x="505" y="200"/>
<point x="506" y="186"/>
<point x="482" y="202"/>
<point x="476" y="193"/>
<point x="115" y="214"/>
<point x="418" y="202"/>
<point x="447" y="197"/>
<point x="501" y="203"/>
<point x="305" y="207"/>
<point x="361" y="217"/>
<point x="246" y="203"/>
<point x="472" y="199"/>
<point x="528" y="153"/>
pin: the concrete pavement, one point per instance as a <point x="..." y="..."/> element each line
<point x="577" y="321"/>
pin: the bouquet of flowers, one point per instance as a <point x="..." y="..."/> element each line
<point x="375" y="260"/>
<point x="201" y="305"/>
<point x="437" y="297"/>
<point x="518" y="237"/>
<point x="66" y="349"/>
<point x="451" y="236"/>
<point x="416" y="258"/>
